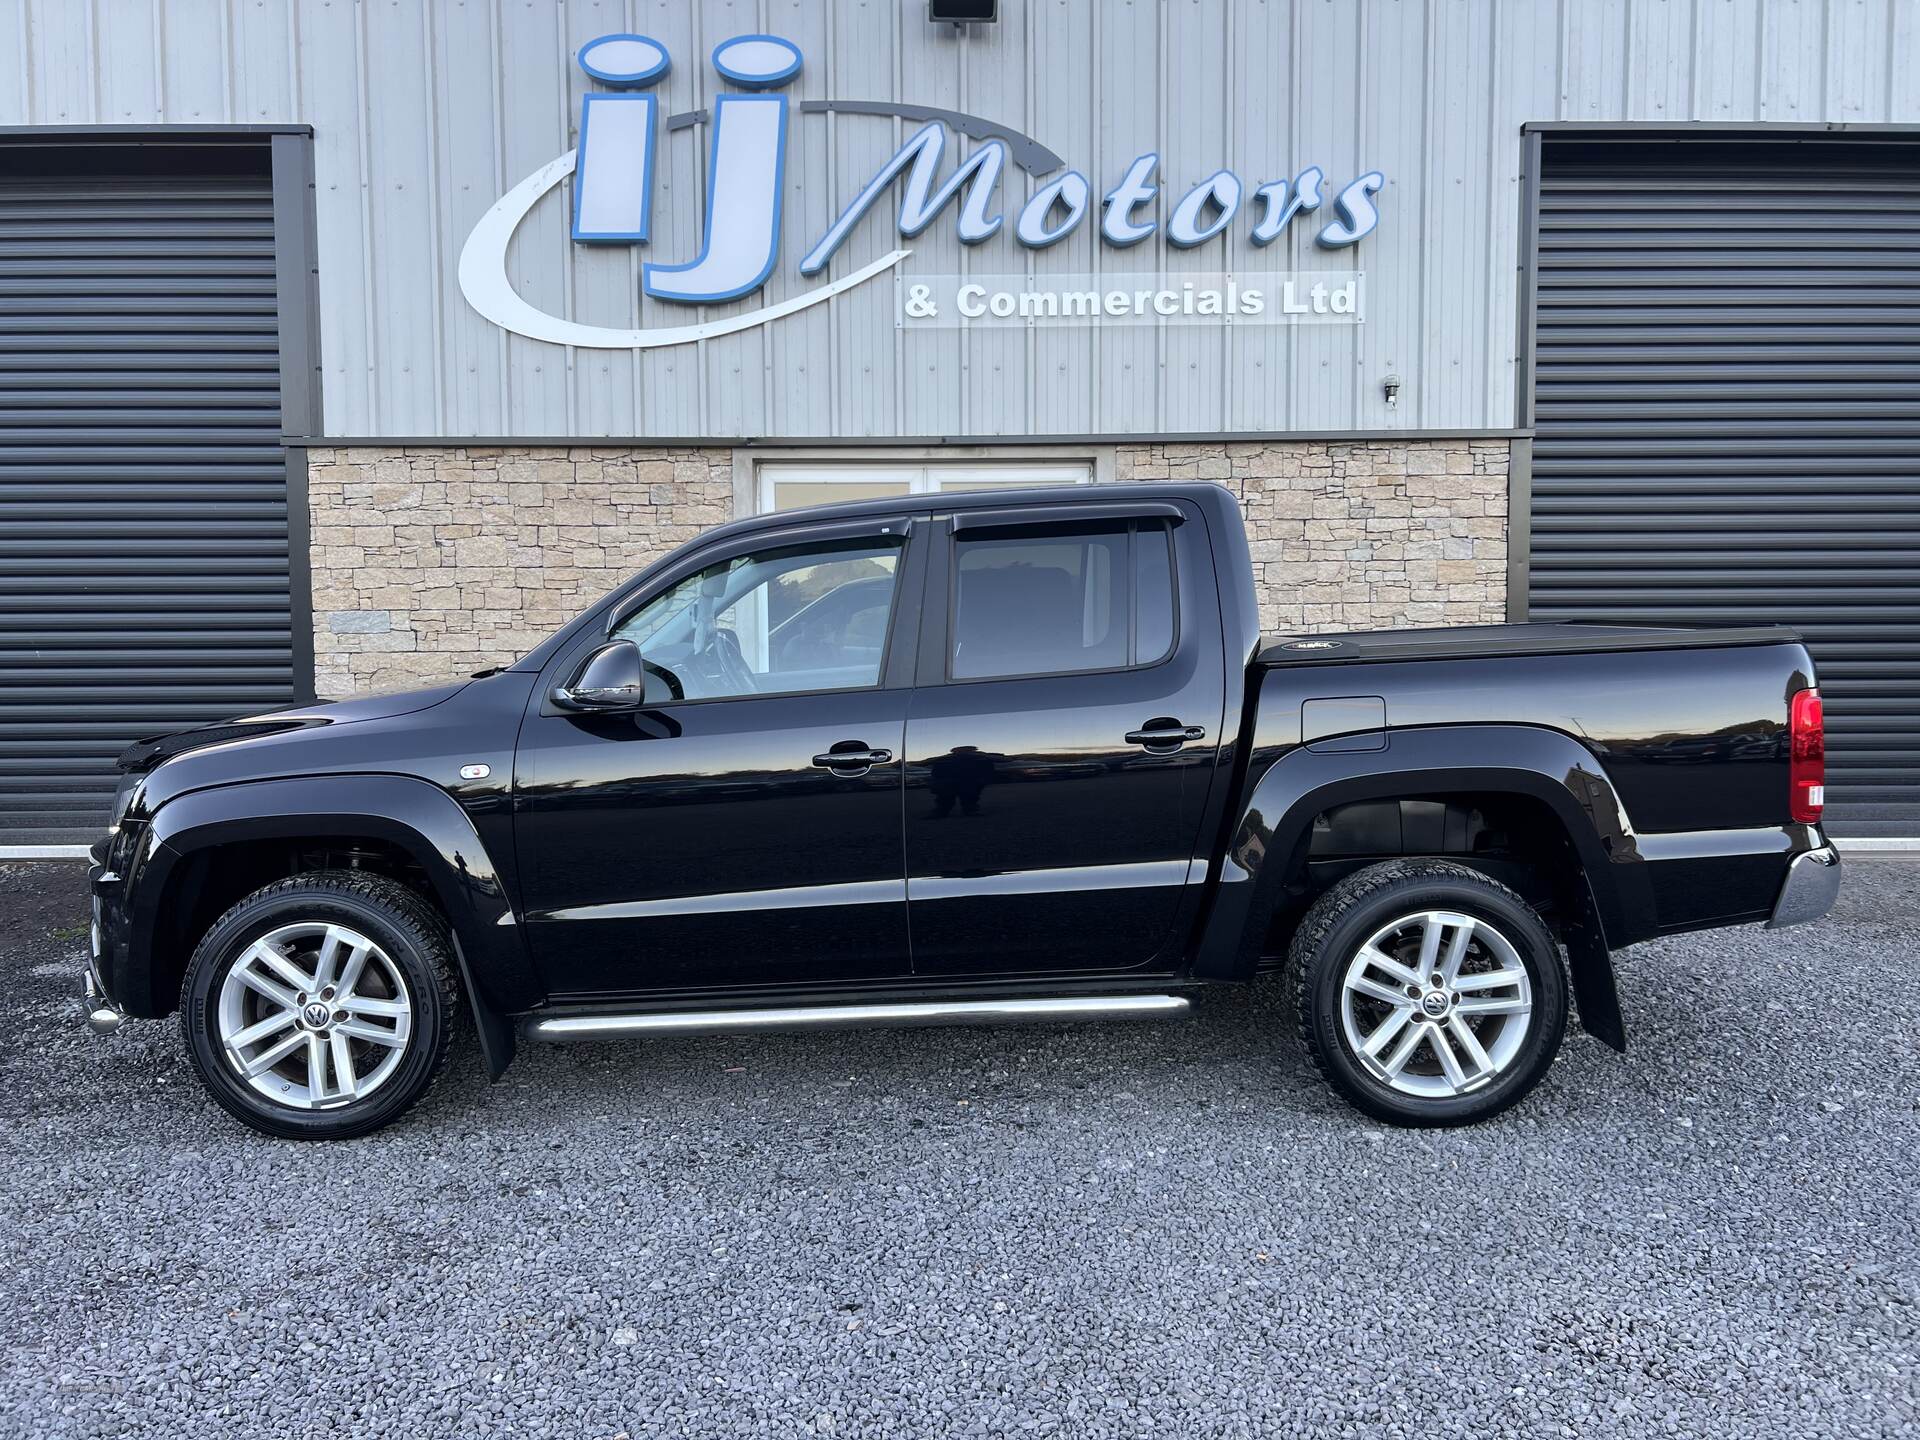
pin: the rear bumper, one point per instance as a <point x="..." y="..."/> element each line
<point x="1808" y="892"/>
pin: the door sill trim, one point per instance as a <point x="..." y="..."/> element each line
<point x="613" y="1025"/>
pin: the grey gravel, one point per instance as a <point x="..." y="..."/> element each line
<point x="1106" y="1231"/>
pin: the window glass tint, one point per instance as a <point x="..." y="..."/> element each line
<point x="1041" y="604"/>
<point x="1152" y="593"/>
<point x="774" y="622"/>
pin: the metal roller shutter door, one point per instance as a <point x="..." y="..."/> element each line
<point x="1727" y="391"/>
<point x="144" y="578"/>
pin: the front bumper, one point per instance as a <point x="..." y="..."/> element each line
<point x="106" y="947"/>
<point x="1813" y="880"/>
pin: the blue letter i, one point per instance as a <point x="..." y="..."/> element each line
<point x="613" y="169"/>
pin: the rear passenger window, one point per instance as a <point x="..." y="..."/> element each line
<point x="1152" y="593"/>
<point x="1057" y="602"/>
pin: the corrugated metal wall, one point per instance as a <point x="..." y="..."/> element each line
<point x="143" y="487"/>
<point x="1729" y="417"/>
<point x="426" y="110"/>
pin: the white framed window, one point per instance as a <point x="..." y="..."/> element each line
<point x="787" y="486"/>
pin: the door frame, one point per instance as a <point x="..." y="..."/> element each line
<point x="1205" y="625"/>
<point x="913" y="529"/>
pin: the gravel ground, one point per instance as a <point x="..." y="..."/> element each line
<point x="1127" y="1231"/>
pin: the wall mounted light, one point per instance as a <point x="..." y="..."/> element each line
<point x="962" y="12"/>
<point x="1391" y="386"/>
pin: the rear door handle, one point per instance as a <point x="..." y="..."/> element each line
<point x="1166" y="734"/>
<point x="853" y="757"/>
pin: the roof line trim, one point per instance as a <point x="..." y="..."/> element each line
<point x="880" y="442"/>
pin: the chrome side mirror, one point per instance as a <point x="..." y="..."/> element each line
<point x="614" y="677"/>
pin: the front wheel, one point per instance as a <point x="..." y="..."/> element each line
<point x="319" y="1007"/>
<point x="1428" y="994"/>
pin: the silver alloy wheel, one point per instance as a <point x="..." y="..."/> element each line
<point x="315" y="1016"/>
<point x="1436" y="1004"/>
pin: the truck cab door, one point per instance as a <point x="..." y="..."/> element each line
<point x="741" y="828"/>
<point x="1062" y="739"/>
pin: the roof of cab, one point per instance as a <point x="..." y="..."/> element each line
<point x="1214" y="501"/>
<point x="1203" y="493"/>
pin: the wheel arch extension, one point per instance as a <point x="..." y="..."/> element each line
<point x="408" y="815"/>
<point x="1266" y="846"/>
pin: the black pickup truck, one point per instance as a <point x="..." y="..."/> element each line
<point x="1004" y="756"/>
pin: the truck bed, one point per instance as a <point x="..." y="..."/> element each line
<point x="1468" y="642"/>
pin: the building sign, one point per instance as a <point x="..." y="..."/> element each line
<point x="612" y="169"/>
<point x="1254" y="297"/>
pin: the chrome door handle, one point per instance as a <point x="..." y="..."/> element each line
<point x="859" y="758"/>
<point x="1163" y="735"/>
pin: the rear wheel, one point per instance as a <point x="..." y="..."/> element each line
<point x="320" y="1006"/>
<point x="1428" y="994"/>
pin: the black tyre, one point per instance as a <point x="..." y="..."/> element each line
<point x="320" y="1007"/>
<point x="1427" y="993"/>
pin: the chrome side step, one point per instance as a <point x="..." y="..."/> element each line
<point x="610" y="1026"/>
<point x="103" y="1016"/>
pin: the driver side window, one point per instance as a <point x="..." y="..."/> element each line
<point x="779" y="621"/>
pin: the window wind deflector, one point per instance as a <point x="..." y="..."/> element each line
<point x="830" y="529"/>
<point x="977" y="522"/>
<point x="892" y="527"/>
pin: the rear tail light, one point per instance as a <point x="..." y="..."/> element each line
<point x="1807" y="768"/>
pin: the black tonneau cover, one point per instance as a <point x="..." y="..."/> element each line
<point x="1470" y="642"/>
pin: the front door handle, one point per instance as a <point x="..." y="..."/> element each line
<point x="1163" y="737"/>
<point x="851" y="757"/>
